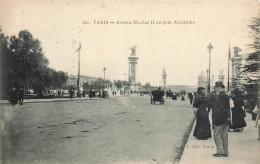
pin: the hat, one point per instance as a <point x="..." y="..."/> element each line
<point x="200" y="89"/>
<point x="219" y="84"/>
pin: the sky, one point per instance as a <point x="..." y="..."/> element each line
<point x="179" y="48"/>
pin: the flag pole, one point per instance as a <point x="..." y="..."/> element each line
<point x="78" y="88"/>
<point x="229" y="55"/>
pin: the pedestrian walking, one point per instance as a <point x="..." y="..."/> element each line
<point x="202" y="128"/>
<point x="238" y="111"/>
<point x="71" y="92"/>
<point x="59" y="93"/>
<point x="20" y="96"/>
<point x="13" y="97"/>
<point x="90" y="94"/>
<point x="190" y="95"/>
<point x="221" y="116"/>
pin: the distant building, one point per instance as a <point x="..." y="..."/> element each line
<point x="236" y="64"/>
<point x="202" y="81"/>
<point x="221" y="77"/>
<point x="179" y="88"/>
<point x="72" y="80"/>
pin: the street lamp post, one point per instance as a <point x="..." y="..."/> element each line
<point x="104" y="77"/>
<point x="229" y="56"/>
<point x="210" y="47"/>
<point x="124" y="83"/>
<point x="207" y="80"/>
<point x="212" y="83"/>
<point x="78" y="80"/>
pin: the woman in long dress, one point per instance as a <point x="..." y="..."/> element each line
<point x="238" y="112"/>
<point x="202" y="128"/>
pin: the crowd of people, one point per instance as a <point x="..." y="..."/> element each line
<point x="228" y="113"/>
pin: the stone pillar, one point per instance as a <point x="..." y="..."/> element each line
<point x="132" y="68"/>
<point x="164" y="76"/>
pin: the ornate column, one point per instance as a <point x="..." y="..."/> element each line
<point x="164" y="76"/>
<point x="132" y="66"/>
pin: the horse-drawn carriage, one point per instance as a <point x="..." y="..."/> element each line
<point x="157" y="95"/>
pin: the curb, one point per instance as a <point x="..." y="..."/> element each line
<point x="184" y="142"/>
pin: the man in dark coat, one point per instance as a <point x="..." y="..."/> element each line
<point x="13" y="97"/>
<point x="84" y="93"/>
<point x="190" y="97"/>
<point x="71" y="92"/>
<point x="20" y="96"/>
<point x="59" y="93"/>
<point x="221" y="117"/>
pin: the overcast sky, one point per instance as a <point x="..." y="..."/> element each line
<point x="180" y="49"/>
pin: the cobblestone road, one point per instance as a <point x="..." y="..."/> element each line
<point x="114" y="130"/>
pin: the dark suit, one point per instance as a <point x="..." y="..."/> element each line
<point x="220" y="109"/>
<point x="220" y="114"/>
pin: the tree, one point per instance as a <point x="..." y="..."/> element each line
<point x="255" y="33"/>
<point x="23" y="65"/>
<point x="5" y="66"/>
<point x="251" y="68"/>
<point x="97" y="84"/>
<point x="30" y="63"/>
<point x="119" y="84"/>
<point x="59" y="78"/>
<point x="251" y="72"/>
<point x="71" y="87"/>
<point x="86" y="86"/>
<point x="147" y="86"/>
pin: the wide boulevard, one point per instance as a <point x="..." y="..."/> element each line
<point x="114" y="130"/>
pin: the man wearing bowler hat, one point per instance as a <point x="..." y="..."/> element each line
<point x="221" y="119"/>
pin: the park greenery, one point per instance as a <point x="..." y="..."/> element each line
<point x="23" y="65"/>
<point x="120" y="83"/>
<point x="251" y="68"/>
<point x="98" y="84"/>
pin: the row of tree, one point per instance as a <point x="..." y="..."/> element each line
<point x="23" y="65"/>
<point x="98" y="84"/>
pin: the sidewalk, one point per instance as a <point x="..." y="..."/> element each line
<point x="244" y="148"/>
